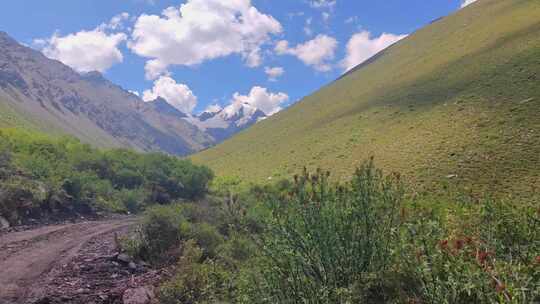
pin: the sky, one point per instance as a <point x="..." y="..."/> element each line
<point x="208" y="54"/>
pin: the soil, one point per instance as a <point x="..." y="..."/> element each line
<point x="70" y="263"/>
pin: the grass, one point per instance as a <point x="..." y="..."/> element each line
<point x="454" y="107"/>
<point x="11" y="119"/>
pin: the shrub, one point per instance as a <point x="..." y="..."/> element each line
<point x="133" y="200"/>
<point x="83" y="179"/>
<point x="162" y="230"/>
<point x="322" y="240"/>
<point x="197" y="281"/>
<point x="485" y="253"/>
<point x="207" y="237"/>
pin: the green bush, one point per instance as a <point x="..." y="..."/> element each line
<point x="197" y="280"/>
<point x="83" y="179"/>
<point x="207" y="237"/>
<point x="322" y="240"/>
<point x="485" y="253"/>
<point x="160" y="234"/>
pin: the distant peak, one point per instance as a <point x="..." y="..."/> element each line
<point x="95" y="77"/>
<point x="5" y="37"/>
<point x="163" y="106"/>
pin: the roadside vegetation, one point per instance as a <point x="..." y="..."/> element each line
<point x="51" y="177"/>
<point x="309" y="240"/>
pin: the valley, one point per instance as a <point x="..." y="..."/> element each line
<point x="410" y="176"/>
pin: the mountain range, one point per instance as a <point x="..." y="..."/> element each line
<point x="44" y="94"/>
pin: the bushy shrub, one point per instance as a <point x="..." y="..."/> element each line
<point x="85" y="180"/>
<point x="161" y="231"/>
<point x="322" y="240"/>
<point x="207" y="237"/>
<point x="197" y="280"/>
<point x="485" y="253"/>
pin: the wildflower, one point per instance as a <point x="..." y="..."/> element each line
<point x="482" y="257"/>
<point x="443" y="244"/>
<point x="458" y="244"/>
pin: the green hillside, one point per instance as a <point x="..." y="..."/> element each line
<point x="456" y="103"/>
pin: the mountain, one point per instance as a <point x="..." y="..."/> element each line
<point x="454" y="104"/>
<point x="40" y="93"/>
<point x="224" y="123"/>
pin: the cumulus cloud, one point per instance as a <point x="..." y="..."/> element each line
<point x="361" y="47"/>
<point x="268" y="102"/>
<point x="201" y="30"/>
<point x="84" y="51"/>
<point x="176" y="94"/>
<point x="467" y="2"/>
<point x="316" y="53"/>
<point x="274" y="73"/>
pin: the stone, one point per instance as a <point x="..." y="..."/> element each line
<point x="4" y="224"/>
<point x="124" y="258"/>
<point x="141" y="295"/>
<point x="132" y="266"/>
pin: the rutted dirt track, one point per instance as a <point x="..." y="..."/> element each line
<point x="30" y="261"/>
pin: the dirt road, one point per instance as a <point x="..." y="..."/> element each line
<point x="27" y="257"/>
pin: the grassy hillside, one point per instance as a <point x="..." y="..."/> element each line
<point x="455" y="104"/>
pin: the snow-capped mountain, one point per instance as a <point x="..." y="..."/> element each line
<point x="222" y="123"/>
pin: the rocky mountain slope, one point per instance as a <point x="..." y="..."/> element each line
<point x="45" y="94"/>
<point x="455" y="104"/>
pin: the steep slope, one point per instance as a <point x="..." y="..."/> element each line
<point x="54" y="98"/>
<point x="454" y="104"/>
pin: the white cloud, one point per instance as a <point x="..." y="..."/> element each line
<point x="260" y="98"/>
<point x="116" y="23"/>
<point x="213" y="108"/>
<point x="467" y="2"/>
<point x="326" y="17"/>
<point x="323" y="3"/>
<point x="307" y="27"/>
<point x="85" y="51"/>
<point x="274" y="73"/>
<point x="316" y="53"/>
<point x="176" y="94"/>
<point x="201" y="30"/>
<point x="361" y="47"/>
<point x="353" y="19"/>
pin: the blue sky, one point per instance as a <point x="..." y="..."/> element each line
<point x="217" y="51"/>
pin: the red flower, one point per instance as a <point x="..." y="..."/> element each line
<point x="482" y="257"/>
<point x="443" y="244"/>
<point x="458" y="244"/>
